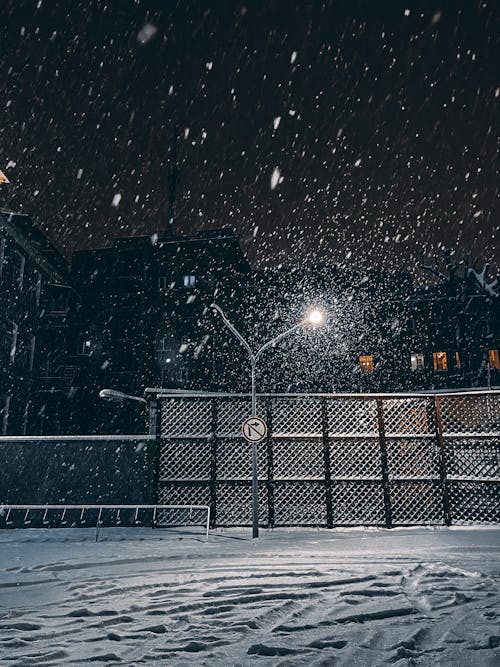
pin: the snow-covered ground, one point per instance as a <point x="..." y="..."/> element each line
<point x="293" y="597"/>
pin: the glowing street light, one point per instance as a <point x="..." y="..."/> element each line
<point x="315" y="317"/>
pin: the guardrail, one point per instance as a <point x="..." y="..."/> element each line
<point x="79" y="516"/>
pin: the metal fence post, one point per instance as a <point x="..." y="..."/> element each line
<point x="154" y="429"/>
<point x="442" y="462"/>
<point x="270" y="465"/>
<point x="213" y="463"/>
<point x="384" y="463"/>
<point x="327" y="464"/>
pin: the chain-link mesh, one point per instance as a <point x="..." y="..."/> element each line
<point x="335" y="460"/>
<point x="416" y="502"/>
<point x="355" y="459"/>
<point x="355" y="503"/>
<point x="299" y="503"/>
<point x="185" y="459"/>
<point x="230" y="416"/>
<point x="472" y="459"/>
<point x="297" y="415"/>
<point x="475" y="502"/>
<point x="183" y="493"/>
<point x="234" y="504"/>
<point x="234" y="460"/>
<point x="470" y="414"/>
<point x="410" y="459"/>
<point x="408" y="416"/>
<point x="298" y="459"/>
<point x="352" y="416"/>
<point x="186" y="417"/>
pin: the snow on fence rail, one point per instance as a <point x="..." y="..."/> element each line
<point x="78" y="516"/>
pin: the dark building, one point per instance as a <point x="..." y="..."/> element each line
<point x="35" y="301"/>
<point x="144" y="317"/>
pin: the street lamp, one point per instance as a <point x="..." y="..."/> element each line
<point x="314" y="317"/>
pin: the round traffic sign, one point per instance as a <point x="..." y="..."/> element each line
<point x="254" y="429"/>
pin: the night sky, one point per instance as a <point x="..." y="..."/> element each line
<point x="358" y="133"/>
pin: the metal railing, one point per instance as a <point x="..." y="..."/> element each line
<point x="80" y="516"/>
<point x="335" y="459"/>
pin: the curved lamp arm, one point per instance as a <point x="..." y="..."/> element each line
<point x="279" y="337"/>
<point x="233" y="330"/>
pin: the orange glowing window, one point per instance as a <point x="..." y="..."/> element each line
<point x="457" y="360"/>
<point x="366" y="363"/>
<point x="440" y="361"/>
<point x="494" y="359"/>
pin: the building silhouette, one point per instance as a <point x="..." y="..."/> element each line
<point x="36" y="298"/>
<point x="137" y="314"/>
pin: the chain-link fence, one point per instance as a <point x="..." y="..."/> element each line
<point x="334" y="459"/>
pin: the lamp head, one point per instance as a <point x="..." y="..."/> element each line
<point x="315" y="317"/>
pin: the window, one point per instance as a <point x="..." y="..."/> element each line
<point x="13" y="343"/>
<point x="57" y="301"/>
<point x="440" y="361"/>
<point x="2" y="254"/>
<point x="26" y="416"/>
<point x="38" y="285"/>
<point x="85" y="347"/>
<point x="189" y="281"/>
<point x="457" y="360"/>
<point x="494" y="359"/>
<point x="23" y="350"/>
<point x="163" y="344"/>
<point x="163" y="283"/>
<point x="13" y="271"/>
<point x="32" y="352"/>
<point x="366" y="363"/>
<point x="5" y="414"/>
<point x="417" y="361"/>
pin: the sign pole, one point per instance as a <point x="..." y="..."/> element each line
<point x="255" y="479"/>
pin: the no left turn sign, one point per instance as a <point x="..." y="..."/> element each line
<point x="254" y="429"/>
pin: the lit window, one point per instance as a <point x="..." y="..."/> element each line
<point x="417" y="361"/>
<point x="440" y="361"/>
<point x="189" y="281"/>
<point x="85" y="347"/>
<point x="457" y="360"/>
<point x="494" y="359"/>
<point x="366" y="363"/>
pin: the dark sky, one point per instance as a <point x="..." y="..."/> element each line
<point x="376" y="118"/>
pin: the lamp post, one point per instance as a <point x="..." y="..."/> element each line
<point x="315" y="317"/>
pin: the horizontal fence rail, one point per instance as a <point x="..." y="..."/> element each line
<point x="334" y="459"/>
